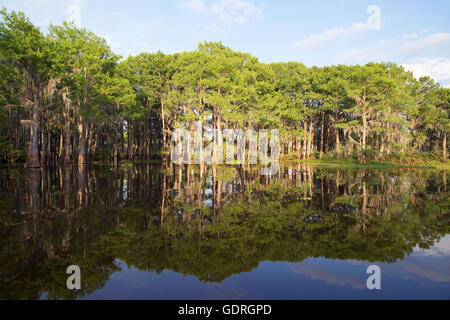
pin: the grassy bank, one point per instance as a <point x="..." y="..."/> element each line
<point x="384" y="164"/>
<point x="316" y="162"/>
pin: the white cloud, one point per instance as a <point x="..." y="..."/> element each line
<point x="427" y="55"/>
<point x="430" y="40"/>
<point x="441" y="248"/>
<point x="394" y="48"/>
<point x="332" y="277"/>
<point x="332" y="35"/>
<point x="438" y="69"/>
<point x="227" y="11"/>
<point x="193" y="5"/>
<point x="410" y="36"/>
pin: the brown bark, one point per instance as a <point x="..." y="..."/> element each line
<point x="310" y="141"/>
<point x="444" y="145"/>
<point x="364" y="137"/>
<point x="82" y="143"/>
<point x="66" y="115"/>
<point x="33" y="150"/>
<point x="305" y="130"/>
<point x="321" y="135"/>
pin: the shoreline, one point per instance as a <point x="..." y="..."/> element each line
<point x="312" y="162"/>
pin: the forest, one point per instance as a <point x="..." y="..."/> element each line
<point x="65" y="97"/>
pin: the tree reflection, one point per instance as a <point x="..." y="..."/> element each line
<point x="210" y="222"/>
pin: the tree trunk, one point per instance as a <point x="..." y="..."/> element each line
<point x="61" y="147"/>
<point x="82" y="143"/>
<point x="163" y="126"/>
<point x="49" y="147"/>
<point x="364" y="119"/>
<point x="310" y="141"/>
<point x="33" y="150"/>
<point x="337" y="139"/>
<point x="66" y="113"/>
<point x="305" y="131"/>
<point x="444" y="145"/>
<point x="321" y="135"/>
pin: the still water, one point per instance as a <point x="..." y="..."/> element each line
<point x="152" y="232"/>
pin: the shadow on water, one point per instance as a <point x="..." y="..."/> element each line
<point x="210" y="223"/>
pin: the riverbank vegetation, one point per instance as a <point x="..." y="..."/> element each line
<point x="65" y="97"/>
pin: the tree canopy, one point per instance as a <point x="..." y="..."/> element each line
<point x="66" y="97"/>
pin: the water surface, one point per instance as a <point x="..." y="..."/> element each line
<point x="153" y="232"/>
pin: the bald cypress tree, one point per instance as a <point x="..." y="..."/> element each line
<point x="25" y="49"/>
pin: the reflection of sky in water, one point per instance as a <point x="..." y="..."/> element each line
<point x="424" y="274"/>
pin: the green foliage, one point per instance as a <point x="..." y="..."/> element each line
<point x="75" y="85"/>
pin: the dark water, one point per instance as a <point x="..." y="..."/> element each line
<point x="149" y="232"/>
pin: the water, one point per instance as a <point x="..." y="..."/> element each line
<point x="151" y="232"/>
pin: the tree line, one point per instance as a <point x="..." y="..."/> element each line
<point x="66" y="97"/>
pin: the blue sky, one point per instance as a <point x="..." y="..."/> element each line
<point x="413" y="33"/>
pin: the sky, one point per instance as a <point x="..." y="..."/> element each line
<point x="413" y="33"/>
